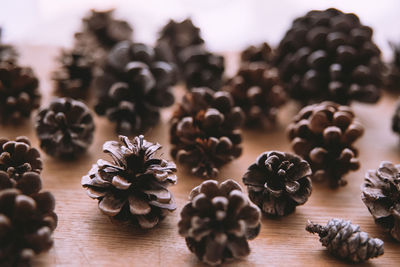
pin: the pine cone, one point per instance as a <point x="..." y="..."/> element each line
<point x="26" y="226"/>
<point x="330" y="55"/>
<point x="75" y="73"/>
<point x="393" y="75"/>
<point x="205" y="131"/>
<point x="323" y="134"/>
<point x="381" y="195"/>
<point x="18" y="157"/>
<point x="134" y="186"/>
<point x="260" y="53"/>
<point x="346" y="241"/>
<point x="65" y="128"/>
<point x="201" y="67"/>
<point x="28" y="183"/>
<point x="7" y="52"/>
<point x="218" y="221"/>
<point x="256" y="89"/>
<point x="278" y="182"/>
<point x="19" y="93"/>
<point x="135" y="85"/>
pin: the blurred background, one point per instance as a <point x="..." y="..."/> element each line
<point x="227" y="25"/>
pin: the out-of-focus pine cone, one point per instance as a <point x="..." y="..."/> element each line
<point x="18" y="157"/>
<point x="75" y="73"/>
<point x="346" y="241"/>
<point x="65" y="128"/>
<point x="7" y="52"/>
<point x="257" y="90"/>
<point x="323" y="134"/>
<point x="218" y="221"/>
<point x="205" y="131"/>
<point x="201" y="67"/>
<point x="133" y="88"/>
<point x="278" y="182"/>
<point x="381" y="195"/>
<point x="19" y="93"/>
<point x="393" y="75"/>
<point x="134" y="187"/>
<point x="259" y="53"/>
<point x="26" y="226"/>
<point x="396" y="119"/>
<point x="28" y="183"/>
<point x="330" y="55"/>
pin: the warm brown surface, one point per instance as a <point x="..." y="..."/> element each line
<point x="85" y="237"/>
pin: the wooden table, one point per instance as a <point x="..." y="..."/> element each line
<point x="86" y="237"/>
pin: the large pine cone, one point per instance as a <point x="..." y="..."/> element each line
<point x="19" y="93"/>
<point x="18" y="157"/>
<point x="330" y="55"/>
<point x="257" y="90"/>
<point x="205" y="131"/>
<point x="26" y="226"/>
<point x="381" y="195"/>
<point x="134" y="86"/>
<point x="134" y="186"/>
<point x="260" y="53"/>
<point x="278" y="182"/>
<point x="218" y="221"/>
<point x="346" y="241"/>
<point x="393" y="75"/>
<point x="65" y="128"/>
<point x="323" y="134"/>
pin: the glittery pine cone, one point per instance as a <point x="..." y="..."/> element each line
<point x="260" y="53"/>
<point x="205" y="131"/>
<point x="346" y="241"/>
<point x="134" y="186"/>
<point x="323" y="134"/>
<point x="218" y="221"/>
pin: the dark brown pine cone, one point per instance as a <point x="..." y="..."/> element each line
<point x="133" y="88"/>
<point x="65" y="128"/>
<point x="28" y="183"/>
<point x="205" y="131"/>
<point x="393" y="76"/>
<point x="26" y="226"/>
<point x="330" y="55"/>
<point x="257" y="90"/>
<point x="260" y="53"/>
<point x="75" y="73"/>
<point x="381" y="195"/>
<point x="134" y="187"/>
<point x="201" y="67"/>
<point x="19" y="93"/>
<point x="218" y="221"/>
<point x="278" y="182"/>
<point x="346" y="241"/>
<point x="18" y="157"/>
<point x="323" y="134"/>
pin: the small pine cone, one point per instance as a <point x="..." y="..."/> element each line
<point x="65" y="128"/>
<point x="26" y="226"/>
<point x="278" y="182"/>
<point x="393" y="75"/>
<point x="202" y="68"/>
<point x="218" y="221"/>
<point x="257" y="90"/>
<point x="346" y="241"/>
<point x="323" y="134"/>
<point x="19" y="93"/>
<point x="75" y="73"/>
<point x="205" y="131"/>
<point x="381" y="195"/>
<point x="18" y="157"/>
<point x="133" y="88"/>
<point x="134" y="186"/>
<point x="260" y="53"/>
<point x="330" y="55"/>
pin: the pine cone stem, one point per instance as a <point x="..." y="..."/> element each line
<point x="316" y="228"/>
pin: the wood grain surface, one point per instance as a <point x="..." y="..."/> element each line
<point x="86" y="237"/>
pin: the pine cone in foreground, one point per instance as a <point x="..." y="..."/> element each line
<point x="26" y="226"/>
<point x="323" y="134"/>
<point x="28" y="183"/>
<point x="278" y="182"/>
<point x="205" y="131"/>
<point x="134" y="186"/>
<point x="65" y="128"/>
<point x="330" y="55"/>
<point x="381" y="195"/>
<point x="393" y="76"/>
<point x="218" y="221"/>
<point x="257" y="90"/>
<point x="18" y="157"/>
<point x="346" y="241"/>
<point x="19" y="93"/>
<point x="261" y="53"/>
